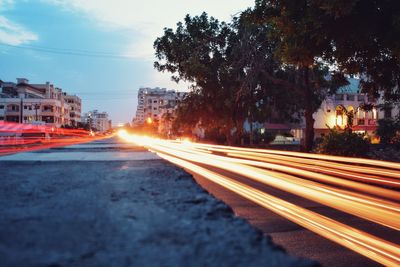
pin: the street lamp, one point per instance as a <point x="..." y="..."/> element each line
<point x="149" y="120"/>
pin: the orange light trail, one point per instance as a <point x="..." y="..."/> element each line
<point x="366" y="201"/>
<point x="361" y="242"/>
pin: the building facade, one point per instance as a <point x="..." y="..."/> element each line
<point x="154" y="103"/>
<point x="23" y="102"/>
<point x="75" y="104"/>
<point x="98" y="121"/>
<point x="334" y="110"/>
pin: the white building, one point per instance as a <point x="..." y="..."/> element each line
<point x="23" y="102"/>
<point x="97" y="120"/>
<point x="332" y="115"/>
<point x="153" y="103"/>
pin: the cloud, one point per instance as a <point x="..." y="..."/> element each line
<point x="6" y="4"/>
<point x="145" y="20"/>
<point x="14" y="34"/>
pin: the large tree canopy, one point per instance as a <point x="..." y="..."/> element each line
<point x="234" y="70"/>
<point x="292" y="26"/>
<point x="359" y="37"/>
<point x="196" y="52"/>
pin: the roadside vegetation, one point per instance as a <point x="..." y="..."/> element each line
<point x="277" y="62"/>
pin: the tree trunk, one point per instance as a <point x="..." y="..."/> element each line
<point x="308" y="113"/>
<point x="228" y="136"/>
<point x="309" y="135"/>
<point x="239" y="132"/>
<point x="251" y="132"/>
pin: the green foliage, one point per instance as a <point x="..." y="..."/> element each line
<point x="196" y="52"/>
<point x="359" y="37"/>
<point x="294" y="25"/>
<point x="344" y="143"/>
<point x="275" y="61"/>
<point x="388" y="131"/>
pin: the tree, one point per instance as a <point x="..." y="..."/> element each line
<point x="388" y="130"/>
<point x="309" y="77"/>
<point x="251" y="54"/>
<point x="357" y="37"/>
<point x="197" y="52"/>
<point x="349" y="115"/>
<point x="362" y="38"/>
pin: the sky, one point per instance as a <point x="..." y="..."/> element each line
<point x="100" y="50"/>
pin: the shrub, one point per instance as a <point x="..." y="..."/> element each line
<point x="344" y="143"/>
<point x="387" y="131"/>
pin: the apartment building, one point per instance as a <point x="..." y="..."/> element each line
<point x="75" y="104"/>
<point x="23" y="102"/>
<point x="98" y="121"/>
<point x="153" y="103"/>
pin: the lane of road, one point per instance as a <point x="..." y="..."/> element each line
<point x="336" y="182"/>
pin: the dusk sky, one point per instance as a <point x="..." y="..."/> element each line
<point x="40" y="40"/>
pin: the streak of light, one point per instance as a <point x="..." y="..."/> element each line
<point x="345" y="174"/>
<point x="285" y="159"/>
<point x="16" y="137"/>
<point x="312" y="175"/>
<point x="379" y="163"/>
<point x="367" y="207"/>
<point x="361" y="242"/>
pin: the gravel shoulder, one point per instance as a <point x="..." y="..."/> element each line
<point x="121" y="213"/>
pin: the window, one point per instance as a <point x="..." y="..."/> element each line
<point x="155" y="101"/>
<point x="1" y="106"/>
<point x="360" y="98"/>
<point x="350" y="97"/>
<point x="48" y="108"/>
<point x="12" y="108"/>
<point x="154" y="108"/>
<point x="387" y="112"/>
<point x="25" y="107"/>
<point x="339" y="97"/>
<point x="1" y="118"/>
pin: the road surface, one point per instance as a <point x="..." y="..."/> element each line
<point x="113" y="204"/>
<point x="353" y="202"/>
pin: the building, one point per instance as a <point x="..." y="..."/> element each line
<point x="75" y="111"/>
<point x="348" y="99"/>
<point x="98" y="121"/>
<point x="23" y="102"/>
<point x="153" y="103"/>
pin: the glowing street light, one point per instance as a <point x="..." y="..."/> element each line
<point x="149" y="120"/>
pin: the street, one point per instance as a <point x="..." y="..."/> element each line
<point x="109" y="203"/>
<point x="356" y="218"/>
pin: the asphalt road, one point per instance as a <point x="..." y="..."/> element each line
<point x="371" y="230"/>
<point x="113" y="204"/>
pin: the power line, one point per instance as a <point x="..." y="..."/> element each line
<point x="69" y="52"/>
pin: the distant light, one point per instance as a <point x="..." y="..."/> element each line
<point x="149" y="120"/>
<point x="122" y="133"/>
<point x="119" y="125"/>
